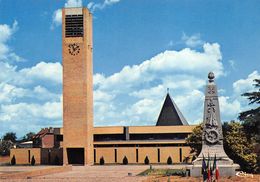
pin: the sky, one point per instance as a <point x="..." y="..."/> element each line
<point x="141" y="48"/>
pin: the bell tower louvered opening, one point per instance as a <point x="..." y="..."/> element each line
<point x="74" y="26"/>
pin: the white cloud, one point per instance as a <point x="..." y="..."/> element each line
<point x="42" y="71"/>
<point x="102" y="96"/>
<point x="229" y="108"/>
<point x="25" y="117"/>
<point x="56" y="18"/>
<point x="152" y="92"/>
<point x="183" y="62"/>
<point x="243" y="85"/>
<point x="94" y="6"/>
<point x="191" y="104"/>
<point x="12" y="94"/>
<point x="73" y="3"/>
<point x="232" y="64"/>
<point x="139" y="90"/>
<point x="8" y="93"/>
<point x="30" y="97"/>
<point x="193" y="40"/>
<point x="7" y="31"/>
<point x="20" y="111"/>
<point x="6" y="53"/>
<point x="23" y="102"/>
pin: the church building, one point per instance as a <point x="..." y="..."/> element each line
<point x="78" y="141"/>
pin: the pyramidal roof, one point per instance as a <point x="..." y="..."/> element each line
<point x="170" y="114"/>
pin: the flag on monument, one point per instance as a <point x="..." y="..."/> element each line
<point x="209" y="173"/>
<point x="204" y="169"/>
<point x="208" y="169"/>
<point x="217" y="173"/>
<point x="214" y="166"/>
<point x="214" y="163"/>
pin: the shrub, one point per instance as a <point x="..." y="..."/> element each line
<point x="169" y="160"/>
<point x="102" y="161"/>
<point x="146" y="160"/>
<point x="175" y="172"/>
<point x="163" y="172"/>
<point x="33" y="161"/>
<point x="125" y="160"/>
<point x="5" y="146"/>
<point x="13" y="160"/>
<point x="193" y="157"/>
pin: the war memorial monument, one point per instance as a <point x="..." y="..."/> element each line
<point x="212" y="136"/>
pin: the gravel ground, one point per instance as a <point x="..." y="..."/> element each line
<point x="256" y="178"/>
<point x="117" y="173"/>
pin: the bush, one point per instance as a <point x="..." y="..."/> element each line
<point x="146" y="160"/>
<point x="239" y="148"/>
<point x="5" y="146"/>
<point x="102" y="161"/>
<point x="175" y="172"/>
<point x="56" y="160"/>
<point x="169" y="160"/>
<point x="33" y="161"/>
<point x="13" y="160"/>
<point x="193" y="158"/>
<point x="125" y="161"/>
<point x="163" y="172"/>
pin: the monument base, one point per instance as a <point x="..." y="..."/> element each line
<point x="224" y="170"/>
<point x="225" y="165"/>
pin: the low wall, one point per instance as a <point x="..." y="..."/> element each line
<point x="4" y="159"/>
<point x="23" y="156"/>
<point x="137" y="155"/>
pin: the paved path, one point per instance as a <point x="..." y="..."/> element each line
<point x="98" y="173"/>
<point x="107" y="173"/>
<point x="14" y="169"/>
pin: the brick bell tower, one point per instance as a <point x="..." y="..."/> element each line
<point x="77" y="86"/>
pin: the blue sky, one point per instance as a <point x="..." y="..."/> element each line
<point x="141" y="48"/>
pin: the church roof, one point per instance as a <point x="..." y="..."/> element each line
<point x="170" y="114"/>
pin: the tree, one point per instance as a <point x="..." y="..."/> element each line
<point x="194" y="140"/>
<point x="10" y="136"/>
<point x="251" y="118"/>
<point x="238" y="147"/>
<point x="5" y="146"/>
<point x="28" y="136"/>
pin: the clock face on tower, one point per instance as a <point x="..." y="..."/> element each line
<point x="73" y="49"/>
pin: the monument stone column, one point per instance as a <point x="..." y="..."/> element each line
<point x="212" y="135"/>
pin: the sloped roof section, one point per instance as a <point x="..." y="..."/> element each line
<point x="170" y="114"/>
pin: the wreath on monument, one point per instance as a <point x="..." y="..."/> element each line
<point x="212" y="135"/>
